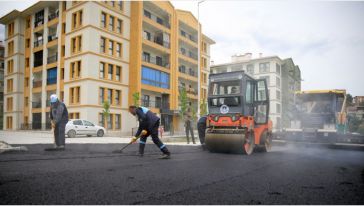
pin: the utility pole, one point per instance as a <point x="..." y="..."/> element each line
<point x="199" y="59"/>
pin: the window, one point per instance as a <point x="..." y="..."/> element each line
<point x="28" y="23"/>
<point x="27" y="64"/>
<point x="75" y="115"/>
<point x="75" y="95"/>
<point x="278" y="82"/>
<point x="278" y="108"/>
<point x="117" y="97"/>
<point x="76" y="44"/>
<point x="103" y="19"/>
<point x="9" y="104"/>
<point x="111" y="47"/>
<point x="119" y="26"/>
<point x="264" y="67"/>
<point x="9" y="122"/>
<point x="77" y="19"/>
<point x="10" y="66"/>
<point x="155" y="78"/>
<point x="39" y="18"/>
<point x="109" y="95"/>
<point x="77" y="122"/>
<point x="101" y="95"/>
<point x="63" y="48"/>
<point x="10" y="29"/>
<point x="146" y="100"/>
<point x="249" y="93"/>
<point x="101" y="120"/>
<point x="250" y="68"/>
<point x="117" y="121"/>
<point x="87" y="123"/>
<point x="75" y="70"/>
<point x="110" y="71"/>
<point x="117" y="75"/>
<point x="109" y="122"/>
<point x="266" y="78"/>
<point x="27" y="43"/>
<point x="102" y="70"/>
<point x="118" y="50"/>
<point x="63" y="28"/>
<point x="278" y="95"/>
<point x="147" y="14"/>
<point x="111" y="23"/>
<point x="52" y="76"/>
<point x="10" y="48"/>
<point x="9" y="85"/>
<point x="120" y="5"/>
<point x="278" y="69"/>
<point x="102" y="45"/>
<point x="62" y="73"/>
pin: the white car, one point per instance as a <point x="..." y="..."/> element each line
<point x="83" y="127"/>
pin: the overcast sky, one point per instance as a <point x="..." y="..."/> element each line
<point x="326" y="39"/>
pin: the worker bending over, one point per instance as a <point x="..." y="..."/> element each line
<point x="150" y="122"/>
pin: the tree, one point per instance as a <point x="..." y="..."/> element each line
<point x="106" y="111"/>
<point x="183" y="102"/>
<point x="203" y="108"/>
<point x="136" y="97"/>
<point x="349" y="99"/>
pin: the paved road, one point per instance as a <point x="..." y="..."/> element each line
<point x="90" y="174"/>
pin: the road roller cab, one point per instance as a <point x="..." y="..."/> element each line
<point x="238" y="118"/>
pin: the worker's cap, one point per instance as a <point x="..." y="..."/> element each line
<point x="53" y="98"/>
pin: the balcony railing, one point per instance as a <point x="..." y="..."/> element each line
<point x="36" y="105"/>
<point x="188" y="90"/>
<point x="52" y="16"/>
<point x="37" y="84"/>
<point x="190" y="72"/>
<point x="155" y="104"/>
<point x="38" y="23"/>
<point x="52" y="37"/>
<point x="157" y="40"/>
<point x="52" y="59"/>
<point x="157" y="61"/>
<point x="188" y="36"/>
<point x="38" y="43"/>
<point x="189" y="54"/>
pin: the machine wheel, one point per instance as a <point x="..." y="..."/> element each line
<point x="100" y="133"/>
<point x="71" y="134"/>
<point x="266" y="141"/>
<point x="248" y="146"/>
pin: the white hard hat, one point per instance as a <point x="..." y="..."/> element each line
<point x="53" y="98"/>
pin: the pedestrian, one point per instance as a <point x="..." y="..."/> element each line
<point x="59" y="118"/>
<point x="150" y="122"/>
<point x="189" y="129"/>
<point x="201" y="128"/>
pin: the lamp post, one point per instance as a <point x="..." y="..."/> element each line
<point x="199" y="59"/>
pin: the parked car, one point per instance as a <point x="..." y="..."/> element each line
<point x="83" y="127"/>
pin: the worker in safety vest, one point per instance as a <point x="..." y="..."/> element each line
<point x="150" y="122"/>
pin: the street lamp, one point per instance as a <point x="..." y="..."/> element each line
<point x="199" y="58"/>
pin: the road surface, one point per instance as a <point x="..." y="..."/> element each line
<point x="91" y="174"/>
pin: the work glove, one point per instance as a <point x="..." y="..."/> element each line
<point x="134" y="139"/>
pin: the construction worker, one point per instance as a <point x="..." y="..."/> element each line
<point x="201" y="127"/>
<point x="150" y="122"/>
<point x="189" y="129"/>
<point x="59" y="118"/>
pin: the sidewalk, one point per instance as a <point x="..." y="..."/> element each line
<point x="46" y="137"/>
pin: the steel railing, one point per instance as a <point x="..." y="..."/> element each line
<point x="52" y="16"/>
<point x="52" y="58"/>
<point x="157" y="61"/>
<point x="38" y="43"/>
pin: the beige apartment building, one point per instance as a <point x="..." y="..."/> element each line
<point x="90" y="52"/>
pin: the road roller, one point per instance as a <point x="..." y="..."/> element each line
<point x="238" y="119"/>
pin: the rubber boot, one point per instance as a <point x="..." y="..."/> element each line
<point x="141" y="150"/>
<point x="166" y="153"/>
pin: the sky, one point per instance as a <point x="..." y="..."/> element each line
<point x="324" y="38"/>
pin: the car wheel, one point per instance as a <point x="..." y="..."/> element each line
<point x="100" y="133"/>
<point x="71" y="134"/>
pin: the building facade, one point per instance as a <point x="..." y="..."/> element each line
<point x="96" y="53"/>
<point x="283" y="79"/>
<point x="2" y="50"/>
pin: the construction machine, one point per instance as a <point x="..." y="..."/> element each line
<point x="238" y="119"/>
<point x="318" y="116"/>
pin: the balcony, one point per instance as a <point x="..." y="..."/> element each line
<point x="36" y="104"/>
<point x="52" y="37"/>
<point x="188" y="36"/>
<point x="189" y="54"/>
<point x="157" y="39"/>
<point x="37" y="83"/>
<point x="155" y="104"/>
<point x="38" y="23"/>
<point x="156" y="61"/>
<point x="53" y="58"/>
<point x="38" y="43"/>
<point x="157" y="19"/>
<point x="52" y="16"/>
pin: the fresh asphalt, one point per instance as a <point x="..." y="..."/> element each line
<point x="92" y="174"/>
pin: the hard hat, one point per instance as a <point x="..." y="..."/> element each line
<point x="53" y="98"/>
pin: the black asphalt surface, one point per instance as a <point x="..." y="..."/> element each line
<point x="91" y="174"/>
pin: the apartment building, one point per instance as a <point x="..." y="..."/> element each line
<point x="2" y="50"/>
<point x="283" y="79"/>
<point x="92" y="52"/>
<point x="166" y="58"/>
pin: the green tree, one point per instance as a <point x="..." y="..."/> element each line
<point x="183" y="102"/>
<point x="349" y="99"/>
<point x="106" y="111"/>
<point x="203" y="107"/>
<point x="136" y="97"/>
